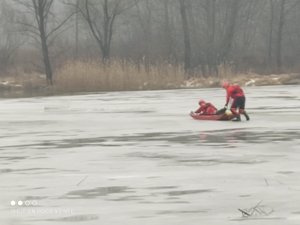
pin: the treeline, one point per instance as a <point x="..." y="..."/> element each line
<point x="42" y="36"/>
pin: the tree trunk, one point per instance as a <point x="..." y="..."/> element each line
<point x="102" y="31"/>
<point x="43" y="37"/>
<point x="76" y="29"/>
<point x="168" y="39"/>
<point x="48" y="68"/>
<point x="105" y="53"/>
<point x="270" y="39"/>
<point x="279" y="36"/>
<point x="106" y="41"/>
<point x="230" y="30"/>
<point x="210" y="50"/>
<point x="187" y="42"/>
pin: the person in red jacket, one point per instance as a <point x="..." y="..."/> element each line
<point x="206" y="108"/>
<point x="236" y="93"/>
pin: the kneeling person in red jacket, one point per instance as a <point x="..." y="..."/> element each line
<point x="236" y="93"/>
<point x="206" y="108"/>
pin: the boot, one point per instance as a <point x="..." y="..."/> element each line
<point x="238" y="118"/>
<point x="247" y="116"/>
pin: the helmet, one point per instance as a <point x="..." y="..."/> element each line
<point x="225" y="84"/>
<point x="228" y="112"/>
<point x="201" y="102"/>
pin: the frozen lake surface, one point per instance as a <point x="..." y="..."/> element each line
<point x="136" y="158"/>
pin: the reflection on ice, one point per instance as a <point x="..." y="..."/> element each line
<point x="76" y="218"/>
<point x="186" y="192"/>
<point x="96" y="192"/>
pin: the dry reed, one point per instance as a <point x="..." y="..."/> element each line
<point x="116" y="75"/>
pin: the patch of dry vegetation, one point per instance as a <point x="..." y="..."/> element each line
<point x="242" y="78"/>
<point x="116" y="75"/>
<point x="17" y="83"/>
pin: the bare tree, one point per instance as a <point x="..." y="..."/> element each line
<point x="230" y="28"/>
<point x="76" y="28"/>
<point x="186" y="34"/>
<point x="217" y="22"/>
<point x="168" y="37"/>
<point x="145" y="20"/>
<point x="279" y="34"/>
<point x="39" y="28"/>
<point x="201" y="33"/>
<point x="101" y="16"/>
<point x="10" y="40"/>
<point x="270" y="36"/>
<point x="211" y="22"/>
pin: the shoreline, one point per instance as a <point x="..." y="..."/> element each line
<point x="14" y="89"/>
<point x="247" y="80"/>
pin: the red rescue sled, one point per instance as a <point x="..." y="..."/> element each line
<point x="222" y="116"/>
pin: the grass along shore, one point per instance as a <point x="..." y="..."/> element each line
<point x="92" y="76"/>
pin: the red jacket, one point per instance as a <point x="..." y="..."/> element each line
<point x="234" y="91"/>
<point x="208" y="108"/>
